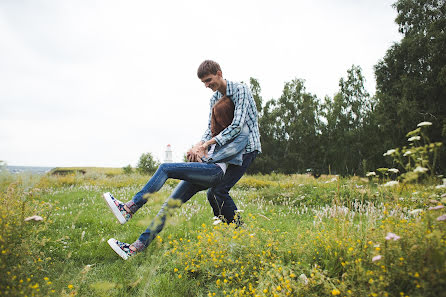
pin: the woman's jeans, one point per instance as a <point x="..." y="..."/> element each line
<point x="195" y="177"/>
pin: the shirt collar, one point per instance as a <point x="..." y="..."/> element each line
<point x="230" y="86"/>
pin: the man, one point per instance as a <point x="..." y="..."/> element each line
<point x="245" y="113"/>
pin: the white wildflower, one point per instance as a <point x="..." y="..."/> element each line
<point x="393" y="236"/>
<point x="436" y="207"/>
<point x="376" y="258"/>
<point x="407" y="153"/>
<point x="303" y="278"/>
<point x="413" y="138"/>
<point x="331" y="180"/>
<point x="420" y="169"/>
<point x="389" y="152"/>
<point x="424" y="124"/>
<point x="394" y="170"/>
<point x="391" y="183"/>
<point x="371" y="173"/>
<point x="441" y="218"/>
<point x="440" y="187"/>
<point x="34" y="218"/>
<point x="415" y="211"/>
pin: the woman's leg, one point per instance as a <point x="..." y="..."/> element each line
<point x="201" y="174"/>
<point x="182" y="193"/>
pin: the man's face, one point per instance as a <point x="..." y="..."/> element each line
<point x="213" y="81"/>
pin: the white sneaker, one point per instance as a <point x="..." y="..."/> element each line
<point x="121" y="248"/>
<point x="117" y="208"/>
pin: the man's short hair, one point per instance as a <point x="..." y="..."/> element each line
<point x="208" y="67"/>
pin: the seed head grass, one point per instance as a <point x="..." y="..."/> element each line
<point x="301" y="237"/>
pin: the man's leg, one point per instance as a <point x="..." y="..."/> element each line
<point x="218" y="196"/>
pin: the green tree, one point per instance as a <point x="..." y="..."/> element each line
<point x="348" y="129"/>
<point x="411" y="78"/>
<point x="256" y="90"/>
<point x="147" y="164"/>
<point x="127" y="169"/>
<point x="289" y="129"/>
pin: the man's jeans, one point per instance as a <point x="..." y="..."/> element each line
<point x="218" y="195"/>
<point x="195" y="177"/>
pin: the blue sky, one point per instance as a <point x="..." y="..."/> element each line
<point x="98" y="83"/>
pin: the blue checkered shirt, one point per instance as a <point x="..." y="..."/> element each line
<point x="245" y="113"/>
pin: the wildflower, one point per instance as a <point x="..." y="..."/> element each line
<point x="389" y="152"/>
<point x="424" y="124"/>
<point x="394" y="170"/>
<point x="436" y="207"/>
<point x="415" y="211"/>
<point x="34" y="218"/>
<point x="420" y="169"/>
<point x="391" y="183"/>
<point x="441" y="218"/>
<point x="303" y="278"/>
<point x="371" y="173"/>
<point x="70" y="286"/>
<point x="413" y="138"/>
<point x="335" y="292"/>
<point x="376" y="258"/>
<point x="393" y="236"/>
<point x="407" y="153"/>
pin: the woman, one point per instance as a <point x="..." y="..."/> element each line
<point x="195" y="176"/>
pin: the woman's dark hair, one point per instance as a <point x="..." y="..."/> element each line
<point x="222" y="115"/>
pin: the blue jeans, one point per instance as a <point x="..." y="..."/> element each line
<point x="195" y="177"/>
<point x="218" y="195"/>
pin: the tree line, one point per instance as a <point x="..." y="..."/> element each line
<point x="348" y="133"/>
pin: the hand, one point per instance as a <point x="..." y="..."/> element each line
<point x="196" y="152"/>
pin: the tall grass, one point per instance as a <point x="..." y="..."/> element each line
<point x="302" y="237"/>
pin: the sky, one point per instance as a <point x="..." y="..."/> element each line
<point x="98" y="83"/>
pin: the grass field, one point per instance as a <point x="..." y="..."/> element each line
<point x="302" y="237"/>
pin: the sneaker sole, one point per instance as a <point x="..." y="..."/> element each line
<point x="109" y="200"/>
<point x="112" y="243"/>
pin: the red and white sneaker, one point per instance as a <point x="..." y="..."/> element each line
<point x="117" y="208"/>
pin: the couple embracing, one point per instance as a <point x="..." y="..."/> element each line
<point x="229" y="145"/>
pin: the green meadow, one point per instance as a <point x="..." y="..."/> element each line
<point x="301" y="236"/>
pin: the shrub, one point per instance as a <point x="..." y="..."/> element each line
<point x="147" y="164"/>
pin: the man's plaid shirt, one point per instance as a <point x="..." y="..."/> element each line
<point x="245" y="113"/>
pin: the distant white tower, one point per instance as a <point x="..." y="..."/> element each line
<point x="168" y="155"/>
